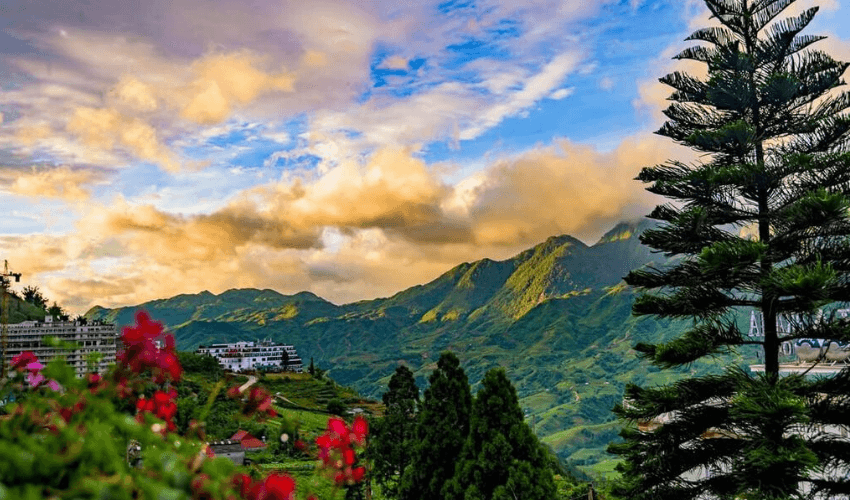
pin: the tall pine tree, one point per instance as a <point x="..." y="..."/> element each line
<point x="775" y="136"/>
<point x="441" y="430"/>
<point x="501" y="459"/>
<point x="394" y="435"/>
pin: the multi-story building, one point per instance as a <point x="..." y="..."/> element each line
<point x="243" y="356"/>
<point x="838" y="432"/>
<point x="90" y="336"/>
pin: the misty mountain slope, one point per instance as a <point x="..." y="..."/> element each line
<point x="557" y="316"/>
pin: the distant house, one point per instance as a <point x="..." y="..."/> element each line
<point x="244" y="356"/>
<point x="248" y="442"/>
<point x="228" y="448"/>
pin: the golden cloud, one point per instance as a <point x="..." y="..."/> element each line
<point x="136" y="94"/>
<point x="106" y="128"/>
<point x="30" y="134"/>
<point x="225" y="79"/>
<point x="566" y="188"/>
<point x="32" y="255"/>
<point x="315" y="59"/>
<point x="347" y="232"/>
<point x="62" y="182"/>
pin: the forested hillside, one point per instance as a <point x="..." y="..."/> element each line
<point x="557" y="317"/>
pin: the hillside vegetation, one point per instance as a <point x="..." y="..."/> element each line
<point x="19" y="310"/>
<point x="557" y="317"/>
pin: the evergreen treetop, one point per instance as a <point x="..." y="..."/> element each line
<point x="501" y="458"/>
<point x="441" y="430"/>
<point x="775" y="135"/>
<point x="395" y="433"/>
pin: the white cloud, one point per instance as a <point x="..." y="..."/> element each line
<point x="562" y="93"/>
<point x="534" y="88"/>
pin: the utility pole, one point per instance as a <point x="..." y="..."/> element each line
<point x="5" y="282"/>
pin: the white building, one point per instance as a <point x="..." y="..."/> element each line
<point x="243" y="356"/>
<point x="91" y="336"/>
<point x="841" y="432"/>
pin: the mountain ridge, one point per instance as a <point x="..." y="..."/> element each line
<point x="557" y="316"/>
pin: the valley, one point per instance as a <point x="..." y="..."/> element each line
<point x="557" y="316"/>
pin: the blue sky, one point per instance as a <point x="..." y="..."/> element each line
<point x="352" y="149"/>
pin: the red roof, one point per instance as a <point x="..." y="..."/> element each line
<point x="247" y="441"/>
<point x="239" y="436"/>
<point x="250" y="443"/>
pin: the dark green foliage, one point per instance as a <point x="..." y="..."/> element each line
<point x="394" y="435"/>
<point x="501" y="458"/>
<point x="18" y="310"/>
<point x="777" y="164"/>
<point x="200" y="364"/>
<point x="57" y="312"/>
<point x="34" y="296"/>
<point x="441" y="430"/>
<point x="336" y="407"/>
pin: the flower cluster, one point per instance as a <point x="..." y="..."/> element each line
<point x="259" y="401"/>
<point x="26" y="361"/>
<point x="127" y="381"/>
<point x="140" y="352"/>
<point x="273" y="487"/>
<point x="337" y="453"/>
<point x="96" y="383"/>
<point x="162" y="406"/>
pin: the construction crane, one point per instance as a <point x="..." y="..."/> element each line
<point x="5" y="282"/>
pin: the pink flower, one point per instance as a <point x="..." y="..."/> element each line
<point x="35" y="367"/>
<point x="34" y="379"/>
<point x="23" y="359"/>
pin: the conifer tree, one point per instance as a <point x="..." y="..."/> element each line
<point x="775" y="135"/>
<point x="501" y="458"/>
<point x="394" y="434"/>
<point x="441" y="430"/>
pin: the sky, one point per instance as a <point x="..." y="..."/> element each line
<point x="349" y="148"/>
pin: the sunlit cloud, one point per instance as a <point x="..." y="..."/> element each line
<point x="352" y="149"/>
<point x="62" y="182"/>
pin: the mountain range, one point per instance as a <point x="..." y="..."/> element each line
<point x="557" y="316"/>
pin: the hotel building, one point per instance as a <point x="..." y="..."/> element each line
<point x="90" y="336"/>
<point x="243" y="356"/>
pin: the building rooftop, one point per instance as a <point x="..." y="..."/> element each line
<point x="811" y="368"/>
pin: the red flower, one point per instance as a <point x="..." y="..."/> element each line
<point x="20" y="361"/>
<point x="167" y="364"/>
<point x="359" y="429"/>
<point x="122" y="388"/>
<point x="66" y="414"/>
<point x="336" y="452"/>
<point x="259" y="400"/>
<point x="141" y="354"/>
<point x="337" y="426"/>
<point x="199" y="485"/>
<point x="242" y="482"/>
<point x="278" y="487"/>
<point x="348" y="456"/>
